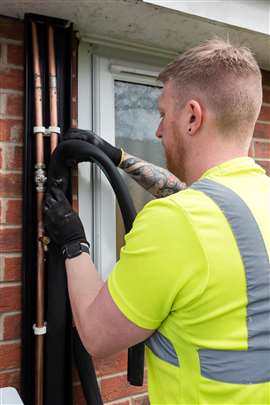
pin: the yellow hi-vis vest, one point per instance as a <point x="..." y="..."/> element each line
<point x="195" y="268"/>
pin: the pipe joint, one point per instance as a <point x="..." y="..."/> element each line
<point x="40" y="177"/>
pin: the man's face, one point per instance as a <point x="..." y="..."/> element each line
<point x="171" y="132"/>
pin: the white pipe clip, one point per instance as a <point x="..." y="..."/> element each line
<point x="42" y="330"/>
<point x="39" y="130"/>
<point x="47" y="131"/>
<point x="55" y="130"/>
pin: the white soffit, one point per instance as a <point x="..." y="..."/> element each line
<point x="253" y="15"/>
<point x="141" y="24"/>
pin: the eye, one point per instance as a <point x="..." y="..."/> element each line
<point x="161" y="114"/>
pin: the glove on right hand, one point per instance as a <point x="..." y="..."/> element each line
<point x="62" y="223"/>
<point x="114" y="153"/>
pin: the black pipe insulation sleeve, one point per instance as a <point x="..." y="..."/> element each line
<point x="86" y="371"/>
<point x="70" y="153"/>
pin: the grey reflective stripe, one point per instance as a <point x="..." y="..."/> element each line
<point x="162" y="348"/>
<point x="253" y="365"/>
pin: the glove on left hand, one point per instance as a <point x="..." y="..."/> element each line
<point x="114" y="153"/>
<point x="62" y="223"/>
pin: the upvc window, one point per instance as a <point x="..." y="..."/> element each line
<point x="118" y="100"/>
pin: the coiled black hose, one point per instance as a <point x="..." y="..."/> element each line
<point x="68" y="154"/>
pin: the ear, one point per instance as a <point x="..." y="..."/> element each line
<point x="195" y="116"/>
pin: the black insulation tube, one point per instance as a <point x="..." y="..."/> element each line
<point x="67" y="155"/>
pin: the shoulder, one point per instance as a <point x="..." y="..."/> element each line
<point x="164" y="219"/>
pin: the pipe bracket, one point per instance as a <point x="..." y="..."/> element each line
<point x="40" y="330"/>
<point x="47" y="131"/>
<point x="39" y="130"/>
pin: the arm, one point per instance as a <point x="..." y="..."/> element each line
<point x="158" y="181"/>
<point x="103" y="328"/>
<point x="96" y="316"/>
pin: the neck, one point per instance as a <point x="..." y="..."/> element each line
<point x="208" y="156"/>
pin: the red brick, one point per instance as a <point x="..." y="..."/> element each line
<point x="11" y="79"/>
<point x="266" y="95"/>
<point x="123" y="402"/>
<point x="14" y="212"/>
<point x="265" y="164"/>
<point x="266" y="77"/>
<point x="75" y="203"/>
<point x="15" y="55"/>
<point x="10" y="379"/>
<point x="10" y="240"/>
<point x="12" y="268"/>
<point x="251" y="149"/>
<point x="264" y="114"/>
<point x="10" y="298"/>
<point x="10" y="355"/>
<point x="111" y="365"/>
<point x="117" y="387"/>
<point x="142" y="400"/>
<point x="262" y="150"/>
<point x="10" y="184"/>
<point x="2" y="47"/>
<point x="13" y="157"/>
<point x="15" y="104"/>
<point x="262" y="131"/>
<point x="11" y="28"/>
<point x="11" y="130"/>
<point x="12" y="326"/>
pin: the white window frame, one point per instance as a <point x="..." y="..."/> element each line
<point x="96" y="111"/>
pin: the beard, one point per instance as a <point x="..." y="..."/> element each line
<point x="175" y="161"/>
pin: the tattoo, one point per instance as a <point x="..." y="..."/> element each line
<point x="158" y="181"/>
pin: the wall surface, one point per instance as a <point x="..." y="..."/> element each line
<point x="11" y="140"/>
<point x="112" y="371"/>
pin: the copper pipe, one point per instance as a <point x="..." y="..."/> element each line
<point x="40" y="179"/>
<point x="53" y="88"/>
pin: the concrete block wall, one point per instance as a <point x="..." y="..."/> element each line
<point x="111" y="372"/>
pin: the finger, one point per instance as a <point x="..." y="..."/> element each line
<point x="58" y="194"/>
<point x="49" y="202"/>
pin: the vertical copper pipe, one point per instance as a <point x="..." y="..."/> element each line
<point x="53" y="88"/>
<point x="40" y="179"/>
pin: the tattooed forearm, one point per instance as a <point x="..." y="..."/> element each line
<point x="158" y="181"/>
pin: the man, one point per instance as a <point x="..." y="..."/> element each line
<point x="194" y="276"/>
<point x="156" y="180"/>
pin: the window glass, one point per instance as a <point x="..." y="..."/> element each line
<point x="136" y="121"/>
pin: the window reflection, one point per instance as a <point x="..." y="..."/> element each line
<point x="136" y="121"/>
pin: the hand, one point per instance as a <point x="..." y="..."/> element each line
<point x="114" y="153"/>
<point x="62" y="223"/>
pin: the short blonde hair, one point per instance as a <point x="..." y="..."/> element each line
<point x="226" y="77"/>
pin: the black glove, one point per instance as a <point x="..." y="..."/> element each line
<point x="62" y="223"/>
<point x="114" y="153"/>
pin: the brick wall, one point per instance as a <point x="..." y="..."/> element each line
<point x="111" y="372"/>
<point x="260" y="148"/>
<point x="11" y="129"/>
